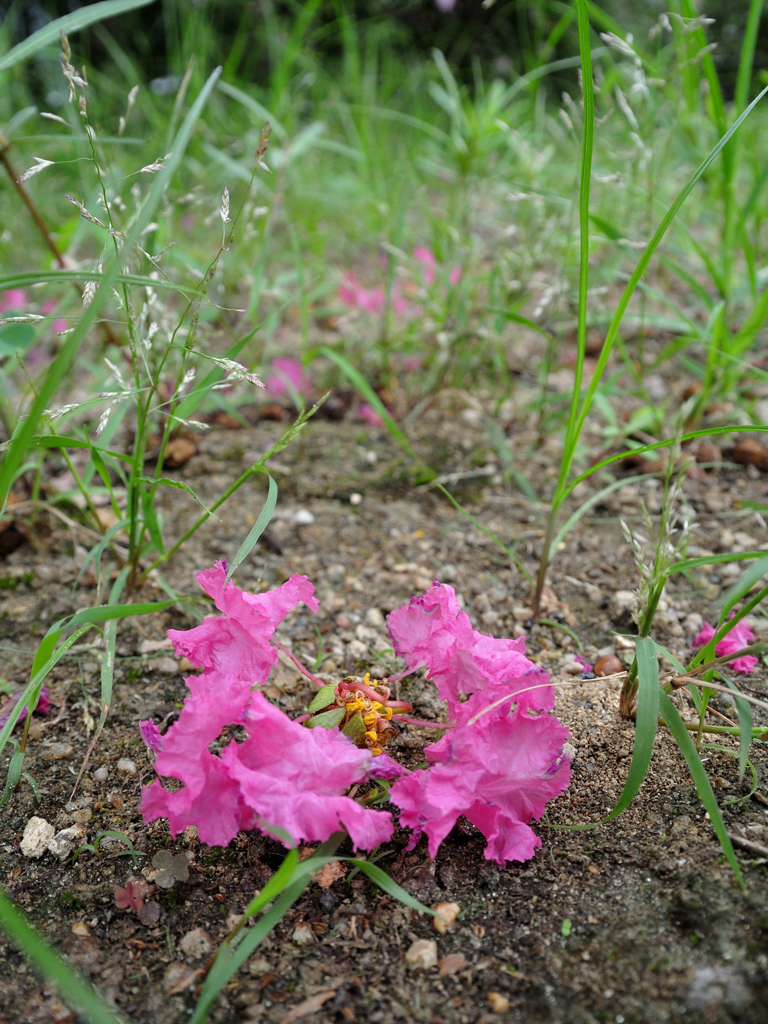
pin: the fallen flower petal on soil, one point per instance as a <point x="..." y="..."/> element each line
<point x="738" y="638"/>
<point x="283" y="777"/>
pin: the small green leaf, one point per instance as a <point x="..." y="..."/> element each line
<point x="355" y="730"/>
<point x="565" y="928"/>
<point x="328" y="719"/>
<point x="323" y="698"/>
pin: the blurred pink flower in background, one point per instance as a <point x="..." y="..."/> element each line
<point x="59" y="324"/>
<point x="368" y="413"/>
<point x="288" y="370"/>
<point x="14" y="299"/>
<point x="353" y="293"/>
<point x="429" y="261"/>
<point x="733" y="641"/>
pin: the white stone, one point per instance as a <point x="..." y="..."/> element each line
<point x="422" y="954"/>
<point x="125" y="765"/>
<point x="355" y="498"/>
<point x="303" y="934"/>
<point x="64" y="842"/>
<point x="374" y="618"/>
<point x="304" y="517"/>
<point x="196" y="944"/>
<point x="37" y="834"/>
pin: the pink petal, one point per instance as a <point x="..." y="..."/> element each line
<point x="455" y="276"/>
<point x="151" y="735"/>
<point x="291" y="370"/>
<point x="237" y="644"/>
<point x="13" y="299"/>
<point x="706" y="634"/>
<point x="499" y="772"/>
<point x="368" y="413"/>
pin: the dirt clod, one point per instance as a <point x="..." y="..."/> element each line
<point x="422" y="954"/>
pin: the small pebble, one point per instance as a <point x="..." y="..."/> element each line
<point x="124" y="765"/>
<point x="608" y="665"/>
<point x="81" y="928"/>
<point x="259" y="966"/>
<point x="196" y="944"/>
<point x="37" y="835"/>
<point x="373" y="617"/>
<point x="448" y="913"/>
<point x="422" y="954"/>
<point x="497" y="1002"/>
<point x="64" y="842"/>
<point x="101" y="774"/>
<point x="168" y="665"/>
<point x="355" y="499"/>
<point x="303" y="517"/>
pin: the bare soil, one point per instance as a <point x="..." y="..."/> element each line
<point x="640" y="920"/>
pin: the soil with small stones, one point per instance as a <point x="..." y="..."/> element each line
<point x="639" y="920"/>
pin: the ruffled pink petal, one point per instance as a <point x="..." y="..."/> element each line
<point x="427" y="258"/>
<point x="216" y="809"/>
<point x="237" y="645"/>
<point x="15" y="298"/>
<point x="747" y="663"/>
<point x="151" y="735"/>
<point x="431" y="801"/>
<point x="507" y="839"/>
<point x="500" y="772"/>
<point x="433" y="631"/>
<point x="383" y="767"/>
<point x="706" y="634"/>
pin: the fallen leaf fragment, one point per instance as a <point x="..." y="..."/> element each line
<point x="311" y="1005"/>
<point x="452" y="964"/>
<point x="750" y="452"/>
<point x="178" y="452"/>
<point x="328" y="874"/>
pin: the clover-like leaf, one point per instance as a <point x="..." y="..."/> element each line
<point x="132" y="896"/>
<point x="149" y="913"/>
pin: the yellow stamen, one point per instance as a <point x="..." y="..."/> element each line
<point x="369" y="719"/>
<point x="376" y="750"/>
<point x="366" y="678"/>
<point x="388" y="714"/>
<point x="376" y="706"/>
<point x="354" y="706"/>
<point x="372" y="736"/>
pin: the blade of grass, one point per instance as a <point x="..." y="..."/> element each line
<point x="370" y="395"/>
<point x="25" y="430"/>
<point x="69" y="24"/>
<point x="75" y="992"/>
<point x="258" y="527"/>
<point x="676" y="726"/>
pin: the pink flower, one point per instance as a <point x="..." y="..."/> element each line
<point x="499" y="772"/>
<point x="59" y="324"/>
<point x="368" y="413"/>
<point x="429" y="261"/>
<point x="432" y="631"/>
<point x="288" y="370"/>
<point x="237" y="644"/>
<point x="427" y="258"/>
<point x="43" y="707"/>
<point x="738" y="638"/>
<point x="353" y="293"/>
<point x="502" y="761"/>
<point x="283" y="778"/>
<point x="13" y="299"/>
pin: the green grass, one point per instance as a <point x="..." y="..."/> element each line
<point x="639" y="209"/>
